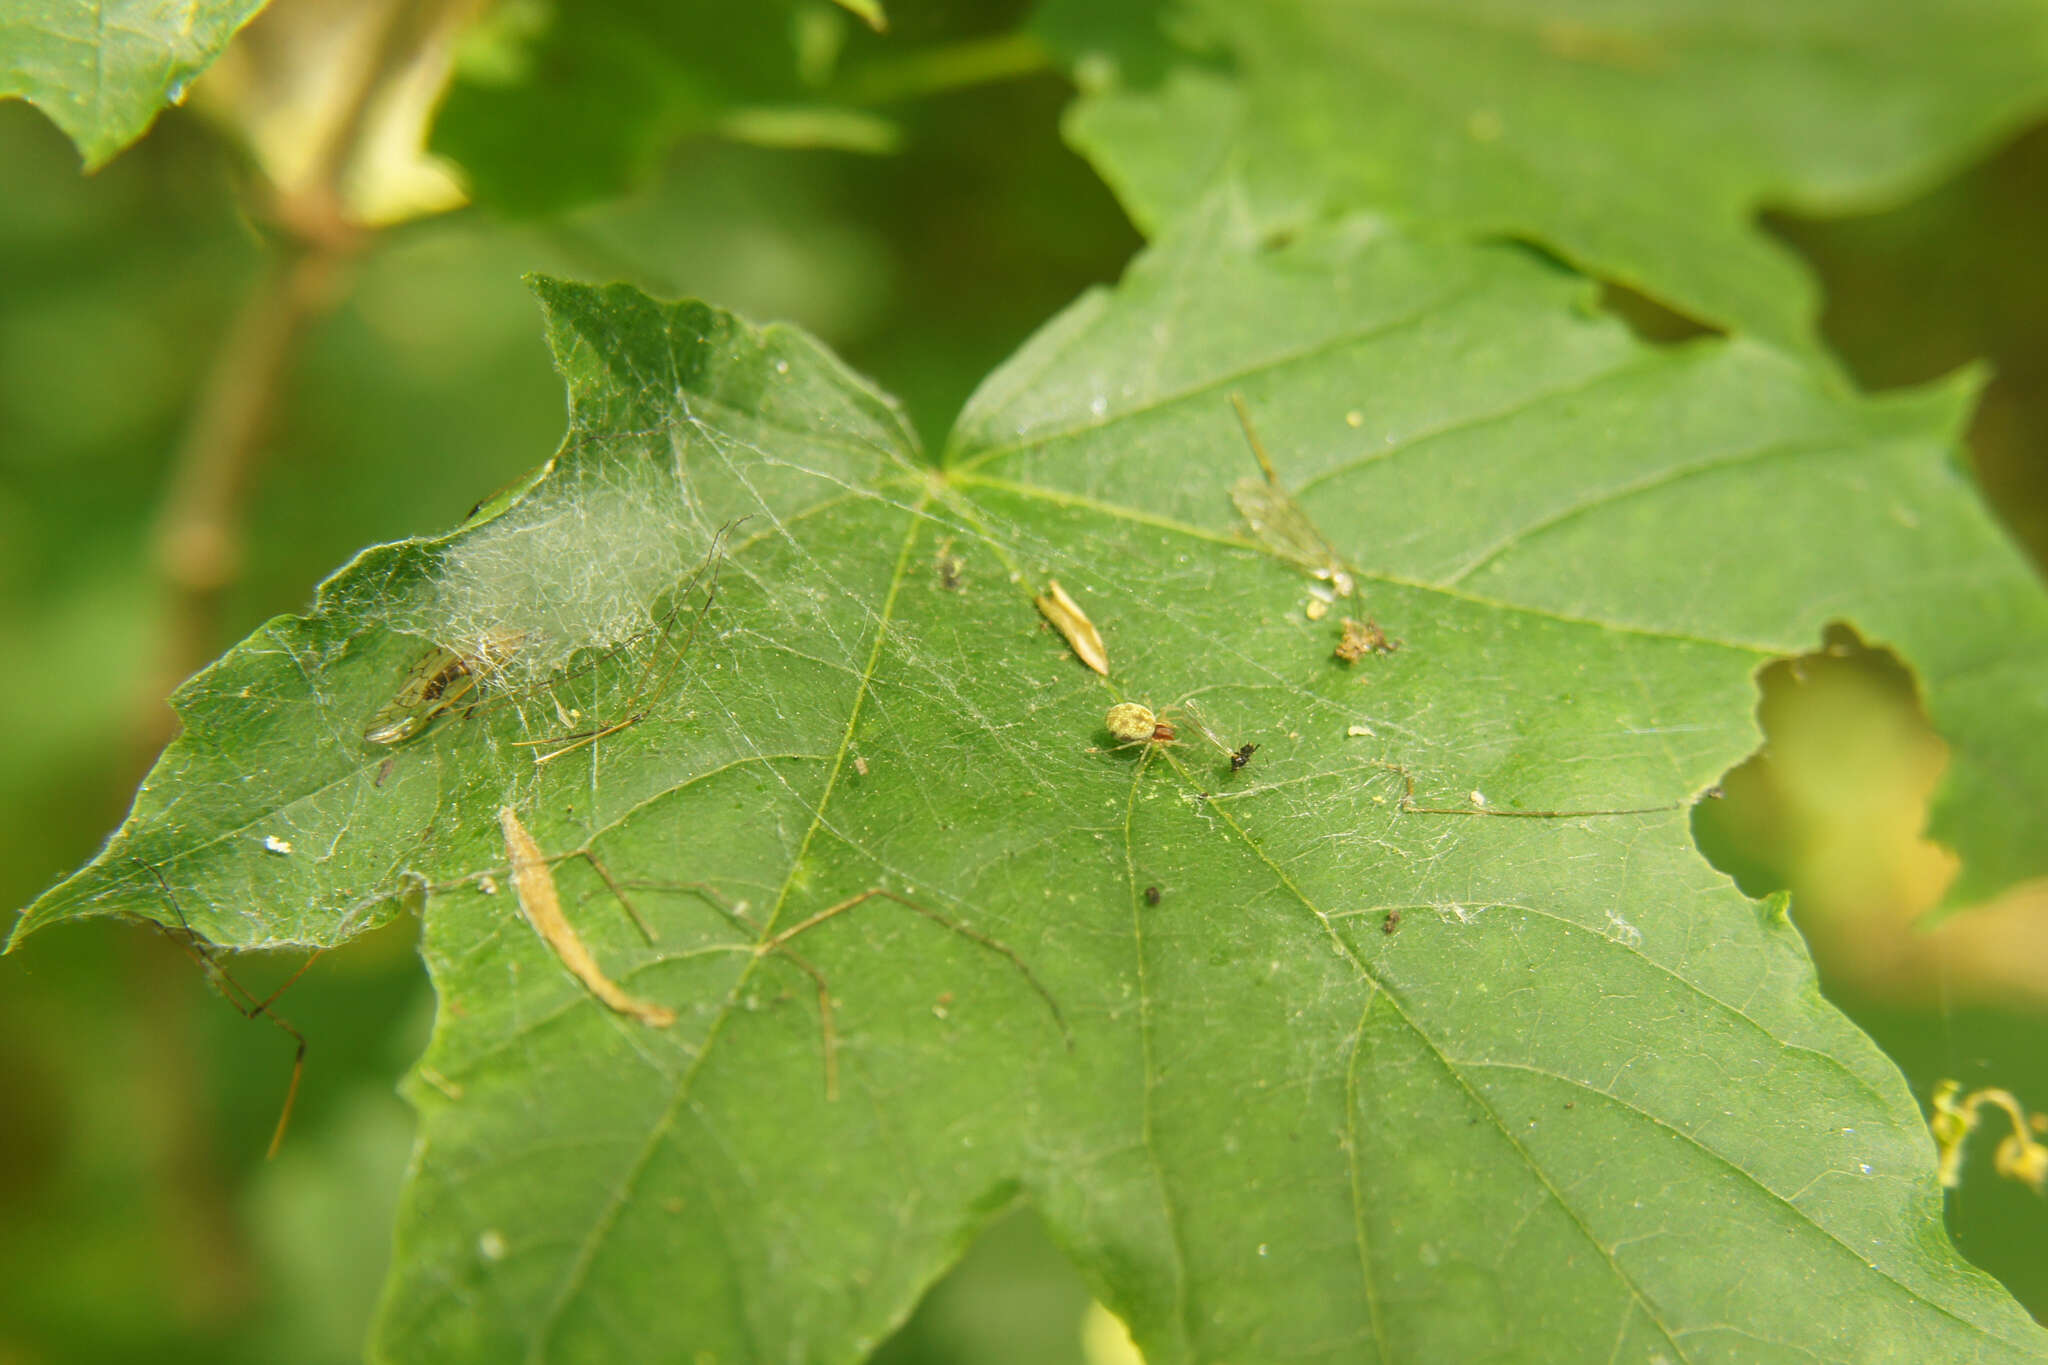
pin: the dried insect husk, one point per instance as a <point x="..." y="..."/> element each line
<point x="1073" y="623"/>
<point x="1360" y="640"/>
<point x="534" y="880"/>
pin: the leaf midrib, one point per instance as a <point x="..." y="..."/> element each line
<point x="607" y="1218"/>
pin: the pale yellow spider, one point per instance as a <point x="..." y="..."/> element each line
<point x="1134" y="723"/>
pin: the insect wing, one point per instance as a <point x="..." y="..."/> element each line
<point x="1278" y="523"/>
<point x="1199" y="718"/>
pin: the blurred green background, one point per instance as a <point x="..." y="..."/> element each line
<point x="138" y="1219"/>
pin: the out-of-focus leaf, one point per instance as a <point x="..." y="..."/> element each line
<point x="1294" y="1067"/>
<point x="101" y="71"/>
<point x="558" y="105"/>
<point x="1637" y="140"/>
<point x="291" y="85"/>
<point x="869" y="12"/>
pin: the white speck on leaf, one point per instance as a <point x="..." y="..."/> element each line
<point x="277" y="845"/>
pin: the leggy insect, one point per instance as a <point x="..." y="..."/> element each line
<point x="531" y="874"/>
<point x="439" y="682"/>
<point x="244" y="1002"/>
<point x="1277" y="519"/>
<point x="444" y="680"/>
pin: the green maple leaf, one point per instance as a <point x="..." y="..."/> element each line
<point x="1639" y="140"/>
<point x="102" y="71"/>
<point x="1580" y="1099"/>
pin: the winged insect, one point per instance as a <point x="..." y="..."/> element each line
<point x="1277" y="519"/>
<point x="439" y="681"/>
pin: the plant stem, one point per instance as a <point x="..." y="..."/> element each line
<point x="978" y="61"/>
<point x="201" y="531"/>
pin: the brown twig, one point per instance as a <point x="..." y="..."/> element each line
<point x="198" y="556"/>
<point x="201" y="530"/>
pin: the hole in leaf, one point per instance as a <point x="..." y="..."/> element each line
<point x="1014" y="1299"/>
<point x="1842" y="725"/>
<point x="1834" y="809"/>
<point x="1916" y="289"/>
<point x="1650" y="320"/>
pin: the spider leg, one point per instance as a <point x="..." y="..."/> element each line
<point x="993" y="945"/>
<point x="777" y="944"/>
<point x="243" y="1002"/>
<point x="618" y="892"/>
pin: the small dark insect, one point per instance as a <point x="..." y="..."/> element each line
<point x="1151" y="895"/>
<point x="1242" y="755"/>
<point x="1391" y="922"/>
<point x="384" y="771"/>
<point x="951" y="567"/>
<point x="1361" y="640"/>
